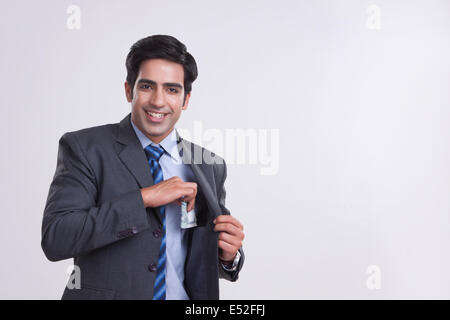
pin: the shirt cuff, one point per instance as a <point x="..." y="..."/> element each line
<point x="235" y="263"/>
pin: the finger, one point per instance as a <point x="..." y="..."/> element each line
<point x="188" y="198"/>
<point x="175" y="179"/>
<point x="191" y="205"/>
<point x="232" y="240"/>
<point x="226" y="218"/>
<point x="187" y="185"/>
<point x="184" y="198"/>
<point x="192" y="185"/>
<point x="187" y="193"/>
<point x="229" y="228"/>
<point x="227" y="247"/>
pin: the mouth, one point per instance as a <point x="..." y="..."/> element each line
<point x="155" y="116"/>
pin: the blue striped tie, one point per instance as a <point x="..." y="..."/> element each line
<point x="154" y="153"/>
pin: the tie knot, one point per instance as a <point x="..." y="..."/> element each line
<point x="154" y="152"/>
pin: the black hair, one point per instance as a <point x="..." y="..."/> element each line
<point x="161" y="47"/>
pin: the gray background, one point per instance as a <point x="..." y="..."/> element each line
<point x="363" y="116"/>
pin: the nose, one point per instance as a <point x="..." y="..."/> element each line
<point x="157" y="98"/>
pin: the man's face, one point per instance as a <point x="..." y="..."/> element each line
<point x="157" y="98"/>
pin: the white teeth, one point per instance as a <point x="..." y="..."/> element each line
<point x="156" y="115"/>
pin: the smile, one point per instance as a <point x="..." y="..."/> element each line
<point x="155" y="116"/>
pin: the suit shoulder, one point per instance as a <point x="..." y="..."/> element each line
<point x="95" y="135"/>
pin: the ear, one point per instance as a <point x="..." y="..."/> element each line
<point x="128" y="92"/>
<point x="186" y="102"/>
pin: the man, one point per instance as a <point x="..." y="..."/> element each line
<point x="114" y="204"/>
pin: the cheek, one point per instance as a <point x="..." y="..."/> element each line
<point x="140" y="96"/>
<point x="176" y="101"/>
<point x="176" y="105"/>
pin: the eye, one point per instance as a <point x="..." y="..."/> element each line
<point x="173" y="90"/>
<point x="145" y="86"/>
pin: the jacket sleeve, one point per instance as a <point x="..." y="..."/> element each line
<point x="74" y="223"/>
<point x="224" y="274"/>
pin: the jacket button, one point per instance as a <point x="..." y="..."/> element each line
<point x="152" y="267"/>
<point x="157" y="233"/>
<point x="134" y="230"/>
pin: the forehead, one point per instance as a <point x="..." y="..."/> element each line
<point x="161" y="70"/>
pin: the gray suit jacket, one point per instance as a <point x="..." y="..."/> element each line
<point x="95" y="214"/>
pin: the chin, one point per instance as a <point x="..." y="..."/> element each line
<point x="156" y="133"/>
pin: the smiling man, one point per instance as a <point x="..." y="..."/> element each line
<point x="115" y="202"/>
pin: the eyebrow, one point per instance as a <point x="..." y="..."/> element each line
<point x="165" y="84"/>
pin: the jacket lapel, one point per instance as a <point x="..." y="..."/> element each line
<point x="190" y="154"/>
<point x="132" y="155"/>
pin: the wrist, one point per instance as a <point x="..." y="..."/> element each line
<point x="227" y="262"/>
<point x="146" y="193"/>
<point x="231" y="265"/>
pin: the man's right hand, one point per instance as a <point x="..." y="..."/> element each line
<point x="170" y="190"/>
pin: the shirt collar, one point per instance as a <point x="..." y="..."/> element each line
<point x="169" y="143"/>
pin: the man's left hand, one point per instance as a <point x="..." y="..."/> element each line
<point x="231" y="235"/>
